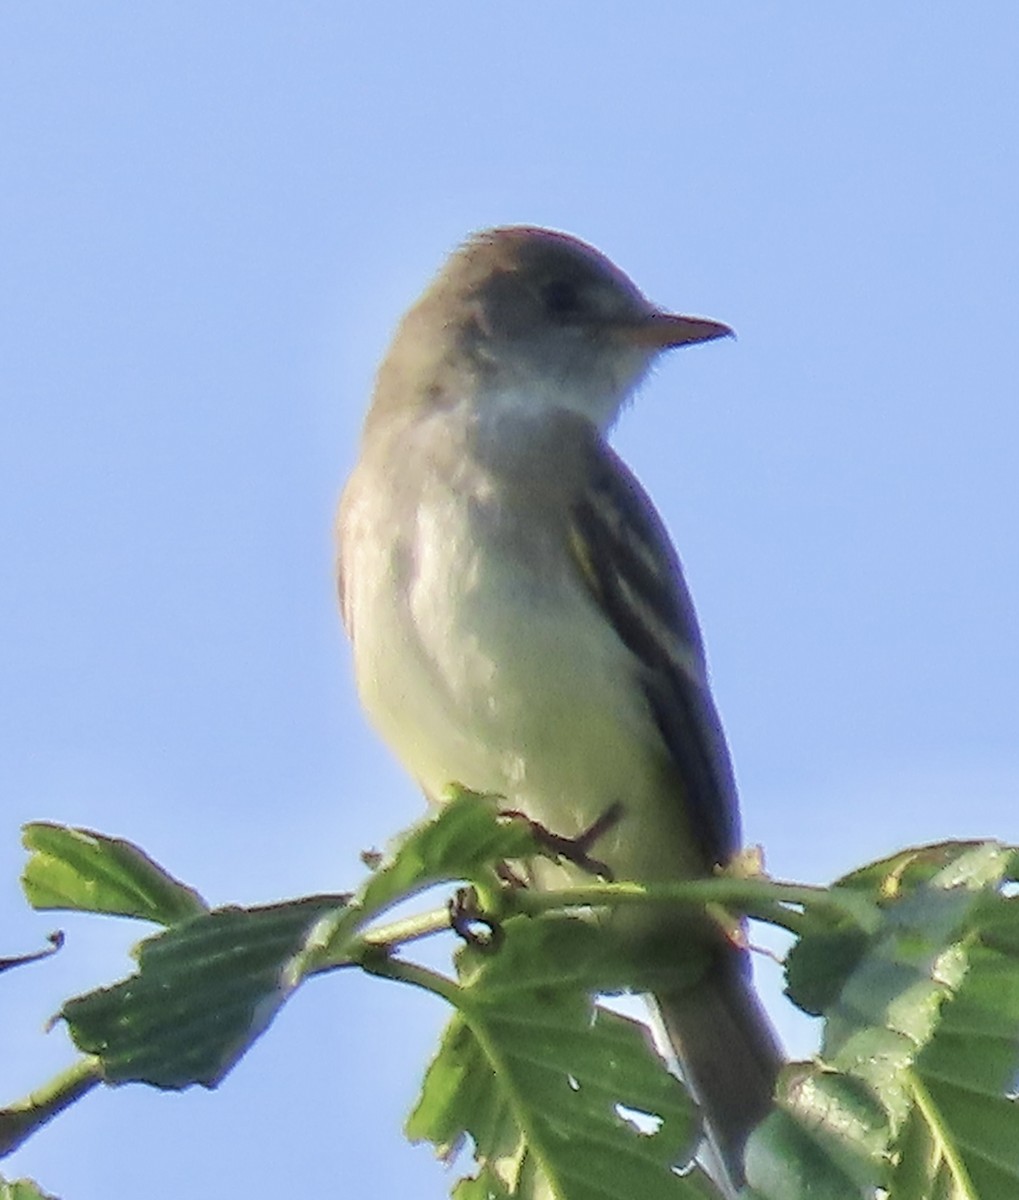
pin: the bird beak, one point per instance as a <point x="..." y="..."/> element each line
<point x="662" y="331"/>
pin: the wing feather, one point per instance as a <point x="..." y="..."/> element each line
<point x="631" y="569"/>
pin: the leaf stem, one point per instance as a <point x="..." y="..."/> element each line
<point x="408" y="929"/>
<point x="759" y="897"/>
<point x="370" y="943"/>
<point x="941" y="1137"/>
<point x="414" y="973"/>
<point x="781" y="904"/>
<point x="21" y="1119"/>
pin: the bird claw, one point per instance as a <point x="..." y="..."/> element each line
<point x="469" y="922"/>
<point x="575" y="850"/>
<point x="467" y="918"/>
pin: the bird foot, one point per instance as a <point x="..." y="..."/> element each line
<point x="575" y="850"/>
<point x="468" y="920"/>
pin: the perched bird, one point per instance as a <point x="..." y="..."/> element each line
<point x="519" y="618"/>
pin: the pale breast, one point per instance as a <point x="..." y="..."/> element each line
<point x="482" y="659"/>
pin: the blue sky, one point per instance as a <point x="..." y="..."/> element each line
<point x="211" y="216"/>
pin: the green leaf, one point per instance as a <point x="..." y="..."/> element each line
<point x="819" y="964"/>
<point x="890" y="1007"/>
<point x="465" y="841"/>
<point x="561" y="1098"/>
<point x="486" y="1185"/>
<point x="203" y="992"/>
<point x="926" y="1020"/>
<point x="85" y="871"/>
<point x="962" y="1084"/>
<point x="22" y="1189"/>
<point x="825" y="1140"/>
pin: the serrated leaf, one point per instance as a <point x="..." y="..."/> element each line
<point x="560" y="1098"/>
<point x="85" y="871"/>
<point x="929" y="1020"/>
<point x="464" y="840"/>
<point x="486" y="1185"/>
<point x="901" y="873"/>
<point x="203" y="992"/>
<point x="890" y="1006"/>
<point x="965" y="1082"/>
<point x="817" y="966"/>
<point x="820" y="963"/>
<point x="825" y="1140"/>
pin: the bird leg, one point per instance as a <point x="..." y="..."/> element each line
<point x="467" y="917"/>
<point x="575" y="850"/>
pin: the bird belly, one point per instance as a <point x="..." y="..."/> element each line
<point x="499" y="674"/>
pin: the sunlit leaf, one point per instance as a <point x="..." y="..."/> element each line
<point x="89" y="872"/>
<point x="558" y="1098"/>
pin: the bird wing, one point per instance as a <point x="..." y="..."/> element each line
<point x="631" y="569"/>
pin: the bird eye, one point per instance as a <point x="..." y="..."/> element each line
<point x="561" y="298"/>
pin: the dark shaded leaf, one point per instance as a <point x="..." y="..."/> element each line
<point x="203" y="992"/>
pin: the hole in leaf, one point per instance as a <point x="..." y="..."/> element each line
<point x="644" y="1122"/>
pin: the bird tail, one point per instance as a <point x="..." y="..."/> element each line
<point x="729" y="1055"/>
